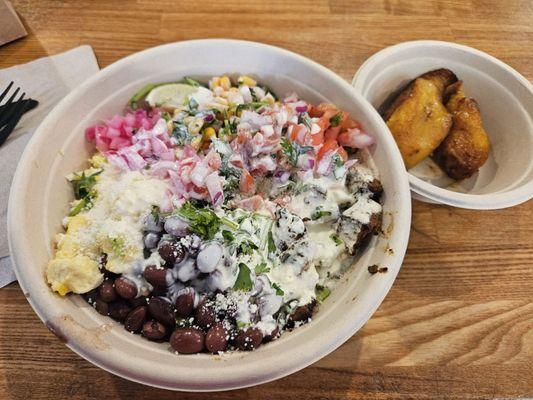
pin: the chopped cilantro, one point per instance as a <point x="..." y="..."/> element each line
<point x="232" y="176"/>
<point x="279" y="292"/>
<point x="180" y="133"/>
<point x="228" y="236"/>
<point x="202" y="221"/>
<point x="230" y="187"/>
<point x="267" y="91"/>
<point x="261" y="269"/>
<point x="271" y="244"/>
<point x="83" y="184"/>
<point x="306" y="120"/>
<point x="84" y="191"/>
<point x="289" y="150"/>
<point x="256" y="105"/>
<point x="247" y="247"/>
<point x="338" y="166"/>
<point x="337" y="160"/>
<point x="336" y="119"/>
<point x="229" y="128"/>
<point x="228" y="171"/>
<point x="293" y="150"/>
<point x="243" y="282"/>
<point x="321" y="293"/>
<point x="222" y="148"/>
<point x="336" y="239"/>
<point x="254" y="96"/>
<point x="317" y="214"/>
<point x="84" y="204"/>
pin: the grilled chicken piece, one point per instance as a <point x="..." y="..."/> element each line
<point x="360" y="179"/>
<point x="467" y="146"/>
<point x="301" y="314"/>
<point x="358" y="221"/>
<point x="417" y="117"/>
<point x="288" y="228"/>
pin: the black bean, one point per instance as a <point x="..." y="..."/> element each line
<point x="135" y="319"/>
<point x="154" y="330"/>
<point x="151" y="240"/>
<point x="158" y="291"/>
<point x="185" y="304"/>
<point x="176" y="226"/>
<point x="215" y="339"/>
<point x="90" y="296"/>
<point x="156" y="276"/>
<point x="249" y="339"/>
<point x="138" y="301"/>
<point x="101" y="306"/>
<point x="162" y="310"/>
<point x="205" y="316"/>
<point x="272" y="336"/>
<point x="107" y="291"/>
<point x="303" y="313"/>
<point x="125" y="288"/>
<point x="110" y="275"/>
<point x="119" y="310"/>
<point x="187" y="340"/>
<point x="171" y="252"/>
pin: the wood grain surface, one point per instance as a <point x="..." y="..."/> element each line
<point x="458" y="322"/>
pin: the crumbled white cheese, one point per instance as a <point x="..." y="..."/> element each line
<point x="113" y="226"/>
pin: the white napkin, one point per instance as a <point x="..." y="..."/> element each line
<point x="47" y="80"/>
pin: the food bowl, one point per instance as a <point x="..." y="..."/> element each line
<point x="506" y="102"/>
<point x="40" y="196"/>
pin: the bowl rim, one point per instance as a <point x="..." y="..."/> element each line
<point x="402" y="223"/>
<point x="487" y="201"/>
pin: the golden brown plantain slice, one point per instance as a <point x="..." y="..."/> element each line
<point x="417" y="117"/>
<point x="452" y="95"/>
<point x="467" y="146"/>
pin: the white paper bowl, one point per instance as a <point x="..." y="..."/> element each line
<point x="506" y="101"/>
<point x="40" y="195"/>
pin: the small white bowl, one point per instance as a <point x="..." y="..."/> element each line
<point x="506" y="101"/>
<point x="40" y="195"/>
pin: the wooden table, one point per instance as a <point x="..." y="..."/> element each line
<point x="458" y="321"/>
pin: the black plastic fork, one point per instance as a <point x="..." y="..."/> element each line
<point x="12" y="110"/>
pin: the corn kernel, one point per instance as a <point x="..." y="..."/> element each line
<point x="214" y="82"/>
<point x="195" y="125"/>
<point x="209" y="132"/>
<point x="246" y="80"/>
<point x="224" y="82"/>
<point x="221" y="100"/>
<point x="269" y="99"/>
<point x="196" y="142"/>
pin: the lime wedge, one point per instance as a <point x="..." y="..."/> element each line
<point x="176" y="95"/>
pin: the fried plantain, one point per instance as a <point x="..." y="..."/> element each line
<point x="467" y="146"/>
<point x="417" y="118"/>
